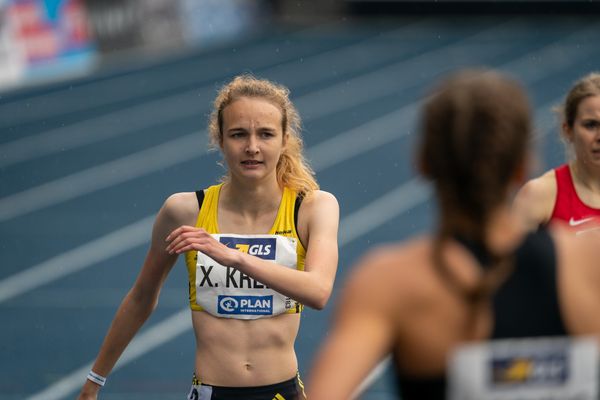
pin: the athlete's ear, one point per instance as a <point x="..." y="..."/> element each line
<point x="284" y="138"/>
<point x="567" y="131"/>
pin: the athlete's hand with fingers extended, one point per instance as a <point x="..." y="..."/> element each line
<point x="189" y="238"/>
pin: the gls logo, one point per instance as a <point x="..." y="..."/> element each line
<point x="545" y="368"/>
<point x="259" y="247"/>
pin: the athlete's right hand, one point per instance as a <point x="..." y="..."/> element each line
<point x="190" y="238"/>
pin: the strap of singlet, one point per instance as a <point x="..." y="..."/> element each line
<point x="297" y="203"/>
<point x="200" y="197"/>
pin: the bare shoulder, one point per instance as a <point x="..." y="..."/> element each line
<point x="318" y="199"/>
<point x="319" y="211"/>
<point x="535" y="200"/>
<point x="180" y="209"/>
<point x="543" y="185"/>
<point x="384" y="280"/>
<point x="391" y="267"/>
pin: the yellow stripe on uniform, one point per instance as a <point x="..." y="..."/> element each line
<point x="301" y="384"/>
<point x="278" y="397"/>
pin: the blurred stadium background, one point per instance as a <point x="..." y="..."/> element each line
<point x="103" y="109"/>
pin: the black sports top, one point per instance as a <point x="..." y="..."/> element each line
<point x="526" y="305"/>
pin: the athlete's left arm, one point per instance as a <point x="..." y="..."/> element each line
<point x="318" y="222"/>
<point x="362" y="331"/>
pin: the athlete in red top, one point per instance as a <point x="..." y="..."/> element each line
<point x="568" y="206"/>
<point x="571" y="192"/>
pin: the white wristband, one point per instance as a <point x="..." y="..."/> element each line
<point x="94" y="377"/>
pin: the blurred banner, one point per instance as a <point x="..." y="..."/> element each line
<point x="168" y="25"/>
<point x="42" y="40"/>
<point x="130" y="25"/>
<point x="212" y="21"/>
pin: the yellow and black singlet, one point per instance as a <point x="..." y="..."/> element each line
<point x="224" y="291"/>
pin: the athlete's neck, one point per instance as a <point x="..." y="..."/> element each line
<point x="251" y="200"/>
<point x="586" y="177"/>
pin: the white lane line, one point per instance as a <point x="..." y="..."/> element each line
<point x="363" y="138"/>
<point x="94" y="130"/>
<point x="359" y="223"/>
<point x="165" y="155"/>
<point x="396" y="77"/>
<point x="372" y="377"/>
<point x="384" y="209"/>
<point x="147" y="340"/>
<point x="77" y="259"/>
<point x="393" y="78"/>
<point x="174" y="107"/>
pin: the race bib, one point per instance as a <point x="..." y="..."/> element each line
<point x="525" y="369"/>
<point x="225" y="292"/>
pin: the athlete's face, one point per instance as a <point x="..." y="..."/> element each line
<point x="252" y="139"/>
<point x="585" y="133"/>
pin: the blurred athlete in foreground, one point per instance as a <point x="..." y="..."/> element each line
<point x="479" y="276"/>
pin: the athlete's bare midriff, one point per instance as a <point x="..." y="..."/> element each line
<point x="233" y="352"/>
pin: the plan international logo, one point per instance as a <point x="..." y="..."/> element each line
<point x="248" y="305"/>
<point x="264" y="248"/>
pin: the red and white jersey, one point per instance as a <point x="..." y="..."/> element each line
<point x="569" y="207"/>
